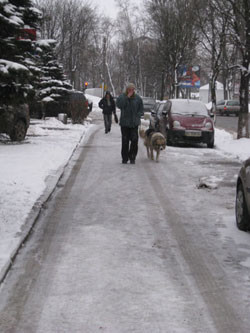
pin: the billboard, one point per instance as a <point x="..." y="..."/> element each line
<point x="189" y="76"/>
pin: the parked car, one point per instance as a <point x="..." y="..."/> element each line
<point x="14" y="120"/>
<point x="148" y="104"/>
<point x="188" y="121"/>
<point x="227" y="107"/>
<point x="242" y="202"/>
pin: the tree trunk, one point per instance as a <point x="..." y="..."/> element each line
<point x="110" y="79"/>
<point x="243" y="131"/>
<point x="213" y="93"/>
<point x="162" y="85"/>
<point x="104" y="57"/>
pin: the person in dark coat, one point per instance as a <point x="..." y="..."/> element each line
<point x="131" y="106"/>
<point x="107" y="104"/>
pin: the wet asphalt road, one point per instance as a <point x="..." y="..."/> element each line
<point x="229" y="123"/>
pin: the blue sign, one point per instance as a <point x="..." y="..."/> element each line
<point x="189" y="76"/>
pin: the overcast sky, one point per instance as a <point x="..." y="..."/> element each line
<point x="108" y="7"/>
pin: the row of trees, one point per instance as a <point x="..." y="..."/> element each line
<point x="143" y="46"/>
<point x="148" y="46"/>
<point x="74" y="25"/>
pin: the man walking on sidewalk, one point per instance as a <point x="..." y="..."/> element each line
<point x="107" y="104"/>
<point x="131" y="106"/>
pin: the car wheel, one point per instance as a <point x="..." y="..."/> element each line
<point x="242" y="216"/>
<point x="19" y="131"/>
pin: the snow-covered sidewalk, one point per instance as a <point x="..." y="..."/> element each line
<point x="31" y="169"/>
<point x="29" y="173"/>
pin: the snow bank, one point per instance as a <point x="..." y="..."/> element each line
<point x="25" y="167"/>
<point x="226" y="143"/>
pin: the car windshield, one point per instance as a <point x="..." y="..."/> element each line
<point x="187" y="107"/>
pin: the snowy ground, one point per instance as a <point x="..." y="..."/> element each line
<point x="32" y="168"/>
<point x="29" y="170"/>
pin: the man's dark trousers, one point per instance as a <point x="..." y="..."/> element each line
<point x="129" y="143"/>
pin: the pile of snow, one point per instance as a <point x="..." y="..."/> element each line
<point x="94" y="99"/>
<point x="210" y="182"/>
<point x="227" y="143"/>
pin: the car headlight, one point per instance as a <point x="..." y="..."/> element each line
<point x="176" y="124"/>
<point x="208" y="125"/>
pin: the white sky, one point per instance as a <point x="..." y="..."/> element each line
<point x="109" y="8"/>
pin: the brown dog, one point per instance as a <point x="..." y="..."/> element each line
<point x="153" y="141"/>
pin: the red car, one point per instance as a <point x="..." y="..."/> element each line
<point x="188" y="121"/>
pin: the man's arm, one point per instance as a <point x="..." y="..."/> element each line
<point x="100" y="104"/>
<point x="113" y="106"/>
<point x="121" y="102"/>
<point x="141" y="111"/>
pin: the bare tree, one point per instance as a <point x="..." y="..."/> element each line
<point x="241" y="25"/>
<point x="130" y="44"/>
<point x="107" y="32"/>
<point x="212" y="39"/>
<point x="50" y="25"/>
<point x="237" y="12"/>
<point x="73" y="24"/>
<point x="173" y="27"/>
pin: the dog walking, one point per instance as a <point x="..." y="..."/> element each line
<point x="153" y="141"/>
<point x="107" y="104"/>
<point x="131" y="107"/>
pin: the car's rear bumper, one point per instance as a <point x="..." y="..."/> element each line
<point x="231" y="112"/>
<point x="227" y="112"/>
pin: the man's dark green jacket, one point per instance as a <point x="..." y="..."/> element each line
<point x="131" y="110"/>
